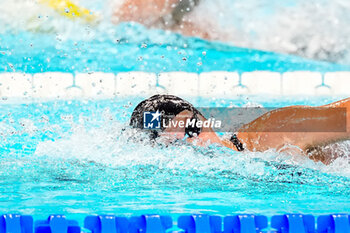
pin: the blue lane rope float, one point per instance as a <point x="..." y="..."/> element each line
<point x="244" y="223"/>
<point x="293" y="223"/>
<point x="333" y="223"/>
<point x="106" y="224"/>
<point x="197" y="223"/>
<point x="56" y="224"/>
<point x="200" y="223"/>
<point x="150" y="223"/>
<point x="16" y="223"/>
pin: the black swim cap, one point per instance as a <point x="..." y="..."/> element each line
<point x="168" y="105"/>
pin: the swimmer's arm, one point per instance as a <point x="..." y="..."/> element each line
<point x="208" y="136"/>
<point x="228" y="144"/>
<point x="205" y="139"/>
<point x="144" y="11"/>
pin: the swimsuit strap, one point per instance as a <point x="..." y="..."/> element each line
<point x="238" y="144"/>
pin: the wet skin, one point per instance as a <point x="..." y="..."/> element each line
<point x="277" y="130"/>
<point x="151" y="12"/>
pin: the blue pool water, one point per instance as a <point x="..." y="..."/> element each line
<point x="76" y="157"/>
<point x="73" y="157"/>
<point x="35" y="52"/>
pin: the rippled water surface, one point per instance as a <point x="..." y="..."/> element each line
<point x="74" y="157"/>
<point x="316" y="29"/>
<point x="40" y="40"/>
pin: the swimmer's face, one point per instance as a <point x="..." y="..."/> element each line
<point x="172" y="105"/>
<point x="177" y="131"/>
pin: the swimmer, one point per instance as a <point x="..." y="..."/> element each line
<point x="164" y="14"/>
<point x="261" y="134"/>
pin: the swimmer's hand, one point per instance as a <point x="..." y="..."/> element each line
<point x="206" y="137"/>
<point x="146" y="12"/>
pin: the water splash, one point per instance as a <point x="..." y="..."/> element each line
<point x="313" y="29"/>
<point x="77" y="157"/>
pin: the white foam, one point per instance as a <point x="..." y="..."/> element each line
<point x="295" y="28"/>
<point x="111" y="146"/>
